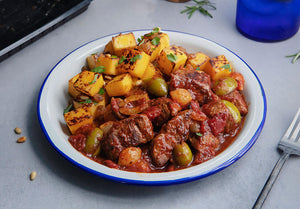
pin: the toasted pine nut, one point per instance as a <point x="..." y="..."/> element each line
<point x="138" y="82"/>
<point x="21" y="139"/>
<point x="32" y="175"/>
<point x="18" y="130"/>
<point x="107" y="77"/>
<point x="83" y="97"/>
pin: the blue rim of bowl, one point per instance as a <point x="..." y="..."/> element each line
<point x="224" y="165"/>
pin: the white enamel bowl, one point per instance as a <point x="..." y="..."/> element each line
<point x="53" y="99"/>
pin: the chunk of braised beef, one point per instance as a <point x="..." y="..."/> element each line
<point x="109" y="114"/>
<point x="115" y="104"/>
<point x="238" y="100"/>
<point x="220" y="118"/>
<point x="110" y="164"/>
<point x="153" y="112"/>
<point x="161" y="110"/>
<point x="205" y="154"/>
<point x="218" y="123"/>
<point x="128" y="132"/>
<point x="201" y="136"/>
<point x="213" y="108"/>
<point x="197" y="113"/>
<point x="173" y="132"/>
<point x="200" y="143"/>
<point x="178" y="126"/>
<point x="198" y="83"/>
<point x="78" y="141"/>
<point x="161" y="148"/>
<point x="85" y="129"/>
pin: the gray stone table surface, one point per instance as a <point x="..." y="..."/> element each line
<point x="59" y="184"/>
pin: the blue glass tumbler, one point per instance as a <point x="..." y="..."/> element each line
<point x="268" y="20"/>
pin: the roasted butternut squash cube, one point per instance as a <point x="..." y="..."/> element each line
<point x="92" y="106"/>
<point x="78" y="117"/>
<point x="149" y="72"/>
<point x="199" y="60"/>
<point x="89" y="83"/>
<point x="221" y="67"/>
<point x="119" y="86"/>
<point x="109" y="62"/>
<point x="170" y="59"/>
<point x="123" y="41"/>
<point x="71" y="89"/>
<point x="153" y="46"/>
<point x="109" y="48"/>
<point x="164" y="40"/>
<point x="134" y="62"/>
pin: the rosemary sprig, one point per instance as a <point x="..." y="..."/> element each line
<point x="296" y="56"/>
<point x="199" y="7"/>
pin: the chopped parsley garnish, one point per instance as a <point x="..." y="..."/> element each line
<point x="68" y="108"/>
<point x="199" y="134"/>
<point x="198" y="68"/>
<point x="88" y="101"/>
<point x="141" y="40"/>
<point x="114" y="56"/>
<point x="155" y="41"/>
<point x="227" y="66"/>
<point x="94" y="80"/>
<point x="135" y="58"/>
<point x="99" y="69"/>
<point x="101" y="91"/>
<point x="122" y="59"/>
<point x="172" y="57"/>
<point x="156" y="30"/>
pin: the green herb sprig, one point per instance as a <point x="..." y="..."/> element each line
<point x="172" y="57"/>
<point x="88" y="101"/>
<point x="199" y="7"/>
<point x="101" y="91"/>
<point x="99" y="69"/>
<point x="227" y="66"/>
<point x="135" y="58"/>
<point x="199" y="134"/>
<point x="296" y="56"/>
<point x="122" y="59"/>
<point x="155" y="41"/>
<point x="154" y="30"/>
<point x="68" y="108"/>
<point x="94" y="80"/>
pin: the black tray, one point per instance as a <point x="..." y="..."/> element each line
<point x="24" y="21"/>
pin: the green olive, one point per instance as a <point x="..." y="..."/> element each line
<point x="225" y="86"/>
<point x="233" y="110"/>
<point x="157" y="86"/>
<point x="92" y="144"/>
<point x="182" y="154"/>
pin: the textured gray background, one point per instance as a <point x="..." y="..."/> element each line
<point x="61" y="185"/>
